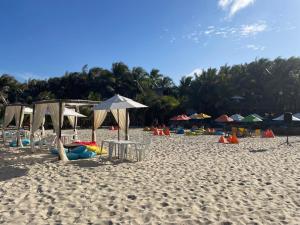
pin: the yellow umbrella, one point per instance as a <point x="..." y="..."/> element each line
<point x="200" y="116"/>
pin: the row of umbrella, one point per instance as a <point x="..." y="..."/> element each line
<point x="221" y="119"/>
<point x="234" y="118"/>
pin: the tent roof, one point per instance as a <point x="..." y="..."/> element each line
<point x="16" y="104"/>
<point x="281" y="118"/>
<point x="236" y="117"/>
<point x="69" y="102"/>
<point x="180" y="118"/>
<point x="224" y="119"/>
<point x="118" y="102"/>
<point x="251" y="118"/>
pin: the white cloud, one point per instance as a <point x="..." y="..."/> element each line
<point x="243" y="31"/>
<point x="253" y="29"/>
<point x="233" y="6"/>
<point x="196" y="71"/>
<point x="224" y="3"/>
<point x="255" y="47"/>
<point x="173" y="39"/>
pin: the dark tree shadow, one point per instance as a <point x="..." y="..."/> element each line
<point x="10" y="172"/>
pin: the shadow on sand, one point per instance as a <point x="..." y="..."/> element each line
<point x="10" y="172"/>
<point x="257" y="150"/>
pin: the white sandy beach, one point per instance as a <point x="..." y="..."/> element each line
<point x="183" y="180"/>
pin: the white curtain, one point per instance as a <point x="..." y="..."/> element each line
<point x="8" y="117"/>
<point x="37" y="120"/>
<point x="54" y="113"/>
<point x="43" y="126"/>
<point x="122" y="118"/>
<point x="99" y="117"/>
<point x="72" y="121"/>
<point x="19" y="116"/>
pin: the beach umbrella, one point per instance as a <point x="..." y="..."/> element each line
<point x="180" y="118"/>
<point x="281" y="118"/>
<point x="258" y="116"/>
<point x="224" y="119"/>
<point x="200" y="116"/>
<point x="251" y="119"/>
<point x="117" y="103"/>
<point x="237" y="117"/>
<point x="297" y="115"/>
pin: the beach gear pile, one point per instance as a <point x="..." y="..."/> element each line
<point x="161" y="132"/>
<point x="85" y="150"/>
<point x="268" y="134"/>
<point x="229" y="140"/>
<point x="25" y="142"/>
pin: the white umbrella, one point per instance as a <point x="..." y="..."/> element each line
<point x="118" y="102"/>
<point x="281" y="118"/>
<point x="297" y="115"/>
<point x="28" y="110"/>
<point x="237" y="117"/>
<point x="69" y="112"/>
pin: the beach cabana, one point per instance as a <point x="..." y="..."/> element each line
<point x="56" y="108"/>
<point x="237" y="117"/>
<point x="118" y="105"/>
<point x="224" y="119"/>
<point x="15" y="111"/>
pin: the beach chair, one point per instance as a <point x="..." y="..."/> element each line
<point x="142" y="148"/>
<point x="257" y="132"/>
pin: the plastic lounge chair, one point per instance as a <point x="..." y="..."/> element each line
<point x="142" y="148"/>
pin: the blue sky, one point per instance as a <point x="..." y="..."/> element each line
<point x="40" y="39"/>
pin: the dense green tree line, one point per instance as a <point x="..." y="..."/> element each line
<point x="262" y="86"/>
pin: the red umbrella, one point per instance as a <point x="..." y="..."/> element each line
<point x="224" y="119"/>
<point x="180" y="117"/>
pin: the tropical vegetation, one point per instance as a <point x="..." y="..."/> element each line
<point x="262" y="86"/>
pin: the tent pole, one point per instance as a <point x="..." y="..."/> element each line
<point x="3" y="128"/>
<point x="59" y="126"/>
<point x="19" y="126"/>
<point x="118" y="125"/>
<point x="75" y="123"/>
<point x="31" y="130"/>
<point x="93" y="126"/>
<point x="126" y="125"/>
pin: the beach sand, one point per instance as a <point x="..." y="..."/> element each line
<point x="183" y="180"/>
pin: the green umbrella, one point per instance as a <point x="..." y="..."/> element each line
<point x="251" y="119"/>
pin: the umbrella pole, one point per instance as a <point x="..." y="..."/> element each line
<point x="118" y="125"/>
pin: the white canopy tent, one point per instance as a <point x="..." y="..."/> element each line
<point x="119" y="106"/>
<point x="16" y="111"/>
<point x="57" y="110"/>
<point x="281" y="118"/>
